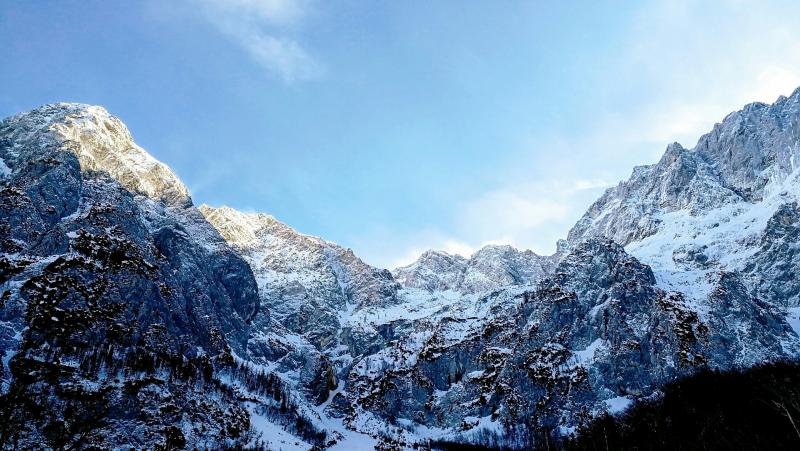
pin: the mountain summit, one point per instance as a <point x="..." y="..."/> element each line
<point x="491" y="267"/>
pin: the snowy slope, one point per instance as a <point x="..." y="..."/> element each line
<point x="705" y="210"/>
<point x="304" y="282"/>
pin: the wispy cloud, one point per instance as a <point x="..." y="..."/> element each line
<point x="509" y="212"/>
<point x="685" y="121"/>
<point x="277" y="12"/>
<point x="281" y="55"/>
<point x="263" y="29"/>
<point x="524" y="214"/>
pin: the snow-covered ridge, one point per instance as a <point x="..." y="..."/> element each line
<point x="751" y="153"/>
<point x="702" y="210"/>
<point x="306" y="282"/>
<point x="489" y="268"/>
<point x="244" y="229"/>
<point x="239" y="229"/>
<point x="101" y="142"/>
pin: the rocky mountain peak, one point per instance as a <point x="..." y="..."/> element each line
<point x="491" y="251"/>
<point x="107" y="256"/>
<point x="745" y="158"/>
<point x="433" y="271"/>
<point x="491" y="267"/>
<point x="753" y="147"/>
<point x="306" y="283"/>
<point x="432" y="254"/>
<point x="238" y="229"/>
<point x="100" y="141"/>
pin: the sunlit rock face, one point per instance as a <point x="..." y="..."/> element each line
<point x="308" y="290"/>
<point x="305" y="282"/>
<point x="746" y="160"/>
<point x="725" y="205"/>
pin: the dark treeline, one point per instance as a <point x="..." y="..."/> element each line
<point x="83" y="412"/>
<point x="753" y="409"/>
<point x="49" y="394"/>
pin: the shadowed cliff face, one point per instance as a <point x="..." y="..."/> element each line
<point x="594" y="337"/>
<point x="107" y="267"/>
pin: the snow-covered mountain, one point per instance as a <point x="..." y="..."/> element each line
<point x="128" y="317"/>
<point x="117" y="296"/>
<point x="595" y="337"/>
<point x="122" y="310"/>
<point x="725" y="205"/>
<point x="491" y="267"/>
<point x="305" y="282"/>
<point x="717" y="227"/>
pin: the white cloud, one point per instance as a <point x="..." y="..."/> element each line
<point x="528" y="215"/>
<point x="685" y="121"/>
<point x="774" y="81"/>
<point x="584" y="184"/>
<point x="509" y="211"/>
<point x="458" y="248"/>
<point x="281" y="55"/>
<point x="698" y="61"/>
<point x="261" y="27"/>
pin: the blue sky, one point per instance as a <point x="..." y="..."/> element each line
<point x="393" y="127"/>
